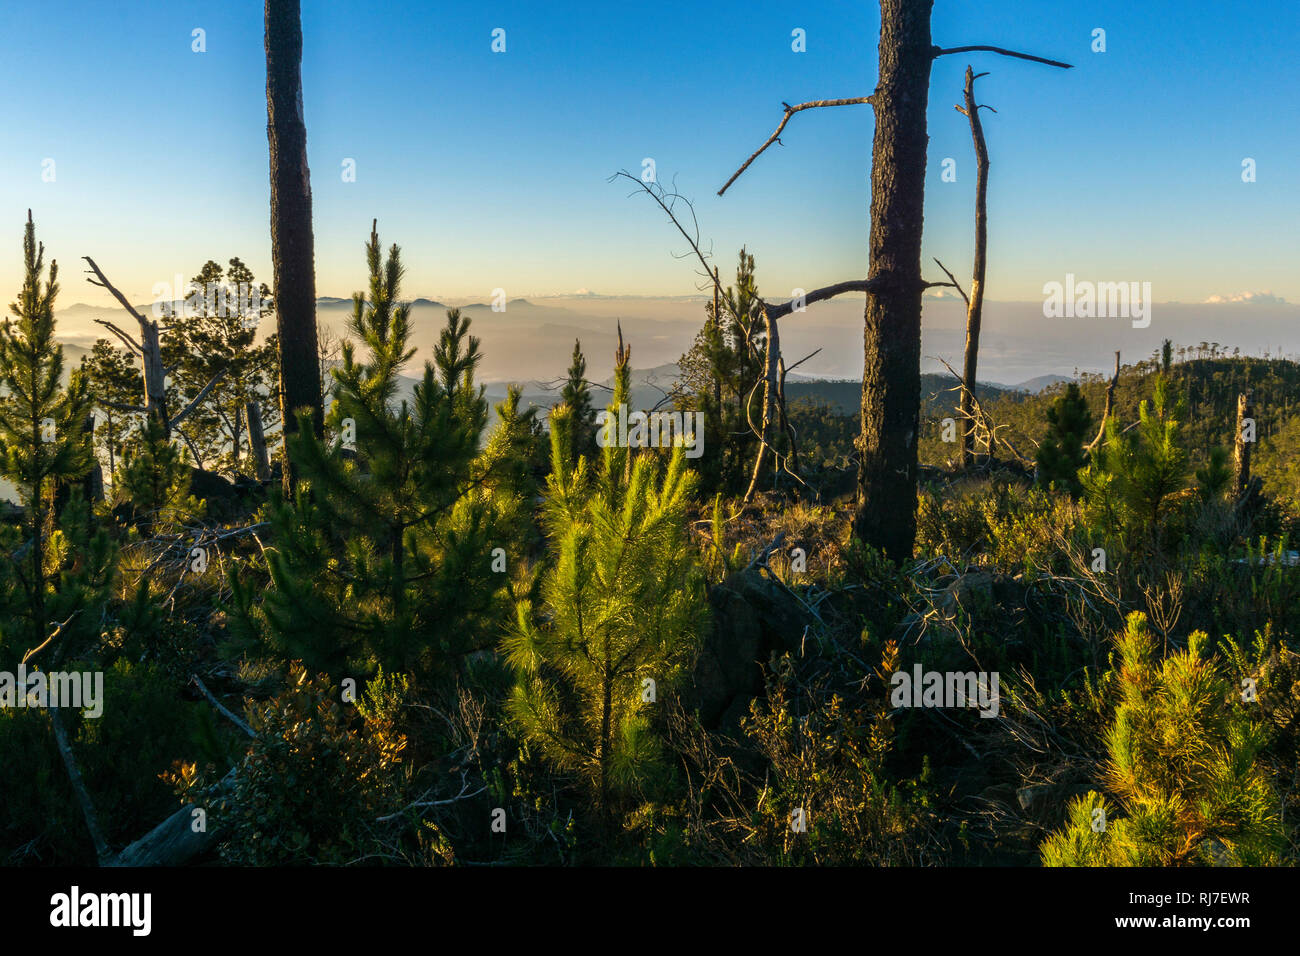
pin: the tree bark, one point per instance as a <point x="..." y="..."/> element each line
<point x="891" y="377"/>
<point x="1241" y="456"/>
<point x="792" y="458"/>
<point x="291" y="234"/>
<point x="975" y="306"/>
<point x="770" y="383"/>
<point x="257" y="440"/>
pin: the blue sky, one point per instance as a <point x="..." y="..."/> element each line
<point x="490" y="169"/>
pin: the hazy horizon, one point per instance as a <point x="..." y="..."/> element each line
<point x="532" y="340"/>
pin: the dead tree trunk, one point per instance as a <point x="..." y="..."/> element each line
<point x="291" y="236"/>
<point x="891" y="377"/>
<point x="1110" y="407"/>
<point x="257" y="440"/>
<point x="1241" y="456"/>
<point x="772" y="356"/>
<point x="92" y="486"/>
<point x="149" y="348"/>
<point x="792" y="457"/>
<point x="975" y="305"/>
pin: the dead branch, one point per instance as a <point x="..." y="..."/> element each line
<point x="102" y="851"/>
<point x="819" y="295"/>
<point x="130" y="342"/>
<point x="954" y="284"/>
<point x="198" y="399"/>
<point x="984" y="421"/>
<point x="222" y="708"/>
<point x="667" y="201"/>
<point x="149" y="348"/>
<point x="1110" y="405"/>
<point x="802" y="360"/>
<point x="941" y="51"/>
<point x="101" y="281"/>
<point x="771" y="360"/>
<point x="49" y="640"/>
<point x="760" y="559"/>
<point x="463" y="795"/>
<point x="775" y="137"/>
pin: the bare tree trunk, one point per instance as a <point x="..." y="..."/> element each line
<point x="237" y="436"/>
<point x="975" y="306"/>
<point x="717" y="319"/>
<point x="792" y="459"/>
<point x="773" y="354"/>
<point x="291" y="235"/>
<point x="257" y="439"/>
<point x="155" y="376"/>
<point x="891" y="377"/>
<point x="112" y="456"/>
<point x="1110" y="407"/>
<point x="1241" y="457"/>
<point x="92" y="485"/>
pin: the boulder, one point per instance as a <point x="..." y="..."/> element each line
<point x="754" y="618"/>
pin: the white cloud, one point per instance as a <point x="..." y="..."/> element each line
<point x="1265" y="297"/>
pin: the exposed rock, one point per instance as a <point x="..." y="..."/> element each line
<point x="753" y="618"/>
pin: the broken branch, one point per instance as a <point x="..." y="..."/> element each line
<point x="790" y="111"/>
<point x="198" y="399"/>
<point x="130" y="342"/>
<point x="941" y="51"/>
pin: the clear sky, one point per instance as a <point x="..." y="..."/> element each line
<point x="490" y="168"/>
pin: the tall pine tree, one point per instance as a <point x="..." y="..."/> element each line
<point x="43" y="443"/>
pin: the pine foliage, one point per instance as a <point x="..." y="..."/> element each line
<point x="44" y="570"/>
<point x="1182" y="779"/>
<point x="1134" y="475"/>
<point x="577" y="396"/>
<point x="720" y="374"/>
<point x="1061" y="454"/>
<point x="385" y="556"/>
<point x="619" y="608"/>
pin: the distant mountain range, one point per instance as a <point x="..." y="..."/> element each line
<point x="532" y="340"/>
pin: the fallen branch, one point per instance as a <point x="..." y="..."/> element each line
<point x="463" y="795"/>
<point x="79" y="787"/>
<point x="222" y="708"/>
